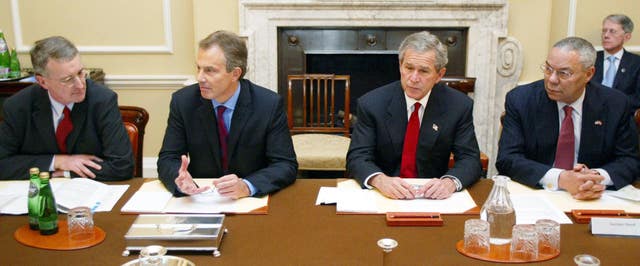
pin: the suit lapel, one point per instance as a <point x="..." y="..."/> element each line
<point x="433" y="113"/>
<point x="599" y="67"/>
<point x="396" y="119"/>
<point x="547" y="125"/>
<point x="593" y="124"/>
<point x="241" y="115"/>
<point x="42" y="116"/>
<point x="210" y="128"/>
<point x="621" y="73"/>
<point x="78" y="118"/>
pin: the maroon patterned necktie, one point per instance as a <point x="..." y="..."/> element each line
<point x="222" y="136"/>
<point x="566" y="142"/>
<point x="408" y="164"/>
<point x="64" y="128"/>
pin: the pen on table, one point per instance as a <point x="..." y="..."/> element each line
<point x="95" y="206"/>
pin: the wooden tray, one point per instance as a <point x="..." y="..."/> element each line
<point x="58" y="241"/>
<point x="500" y="254"/>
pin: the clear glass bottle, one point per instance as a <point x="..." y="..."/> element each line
<point x="498" y="211"/>
<point x="32" y="205"/>
<point x="48" y="215"/>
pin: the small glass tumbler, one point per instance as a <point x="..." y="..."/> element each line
<point x="476" y="236"/>
<point x="524" y="242"/>
<point x="80" y="224"/>
<point x="548" y="237"/>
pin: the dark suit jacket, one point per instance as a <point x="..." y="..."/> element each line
<point x="608" y="139"/>
<point x="27" y="137"/>
<point x="627" y="78"/>
<point x="447" y="126"/>
<point x="259" y="147"/>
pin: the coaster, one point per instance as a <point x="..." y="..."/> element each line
<point x="57" y="241"/>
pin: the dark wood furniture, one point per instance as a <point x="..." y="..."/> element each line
<point x="296" y="232"/>
<point x="316" y="93"/>
<point x="135" y="120"/>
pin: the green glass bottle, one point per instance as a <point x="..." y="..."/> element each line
<point x="5" y="58"/>
<point x="48" y="215"/>
<point x="34" y="188"/>
<point x="14" y="65"/>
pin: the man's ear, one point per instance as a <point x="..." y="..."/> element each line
<point x="236" y="72"/>
<point x="42" y="81"/>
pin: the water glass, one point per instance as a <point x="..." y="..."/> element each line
<point x="548" y="237"/>
<point x="524" y="242"/>
<point x="80" y="224"/>
<point x="476" y="236"/>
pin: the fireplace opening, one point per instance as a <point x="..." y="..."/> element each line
<point x="368" y="55"/>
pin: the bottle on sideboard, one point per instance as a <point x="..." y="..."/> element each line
<point x="34" y="188"/>
<point x="48" y="215"/>
<point x="14" y="65"/>
<point x="5" y="57"/>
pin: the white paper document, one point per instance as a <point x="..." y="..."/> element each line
<point x="69" y="193"/>
<point x="530" y="208"/>
<point x="152" y="197"/>
<point x="353" y="199"/>
<point x="327" y="196"/>
<point x="563" y="201"/>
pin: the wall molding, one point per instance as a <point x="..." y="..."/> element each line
<point x="168" y="82"/>
<point x="150" y="167"/>
<point x="571" y="23"/>
<point x="165" y="48"/>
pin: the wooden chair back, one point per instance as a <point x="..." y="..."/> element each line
<point x="135" y="120"/>
<point x="316" y="94"/>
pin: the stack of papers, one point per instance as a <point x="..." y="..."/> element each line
<point x="153" y="197"/>
<point x="69" y="193"/>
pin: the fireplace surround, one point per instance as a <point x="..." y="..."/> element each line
<point x="493" y="58"/>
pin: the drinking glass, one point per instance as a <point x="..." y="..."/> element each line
<point x="80" y="224"/>
<point x="524" y="242"/>
<point x="548" y="237"/>
<point x="476" y="236"/>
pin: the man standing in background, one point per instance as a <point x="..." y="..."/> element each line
<point x="616" y="67"/>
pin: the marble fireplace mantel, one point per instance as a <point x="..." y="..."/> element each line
<point x="492" y="57"/>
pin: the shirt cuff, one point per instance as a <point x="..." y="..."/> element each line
<point x="550" y="179"/>
<point x="252" y="189"/>
<point x="607" y="178"/>
<point x="456" y="181"/>
<point x="366" y="180"/>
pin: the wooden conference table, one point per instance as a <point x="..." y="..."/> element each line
<point x="296" y="232"/>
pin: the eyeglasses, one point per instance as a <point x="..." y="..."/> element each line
<point x="611" y="31"/>
<point x="69" y="80"/>
<point x="561" y="74"/>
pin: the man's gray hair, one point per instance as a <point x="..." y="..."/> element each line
<point x="423" y="42"/>
<point x="56" y="48"/>
<point x="581" y="46"/>
<point x="623" y="20"/>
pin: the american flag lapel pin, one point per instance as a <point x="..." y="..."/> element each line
<point x="598" y="123"/>
<point x="435" y="127"/>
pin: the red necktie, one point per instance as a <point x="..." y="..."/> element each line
<point x="566" y="142"/>
<point x="64" y="128"/>
<point x="408" y="165"/>
<point x="222" y="136"/>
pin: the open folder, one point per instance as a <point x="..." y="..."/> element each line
<point x="153" y="197"/>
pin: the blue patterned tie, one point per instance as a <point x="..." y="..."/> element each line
<point x="611" y="72"/>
